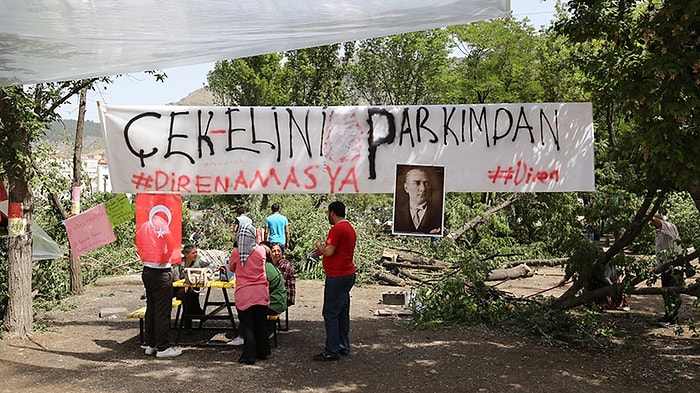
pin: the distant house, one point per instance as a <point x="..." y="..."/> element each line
<point x="95" y="167"/>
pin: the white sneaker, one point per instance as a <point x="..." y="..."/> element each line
<point x="169" y="353"/>
<point x="150" y="351"/>
<point x="236" y="341"/>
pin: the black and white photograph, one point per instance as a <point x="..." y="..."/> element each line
<point x="419" y="196"/>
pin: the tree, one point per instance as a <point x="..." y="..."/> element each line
<point x="644" y="57"/>
<point x="24" y="115"/>
<point x="316" y="75"/>
<point x="404" y="69"/>
<point x="76" y="276"/>
<point x="252" y="81"/>
<point x="305" y="77"/>
<point x="643" y="64"/>
<point x="493" y="68"/>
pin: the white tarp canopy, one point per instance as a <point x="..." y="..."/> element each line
<point x="56" y="40"/>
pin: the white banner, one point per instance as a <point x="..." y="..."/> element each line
<point x="276" y="150"/>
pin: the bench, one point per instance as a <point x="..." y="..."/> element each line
<point x="276" y="319"/>
<point x="141" y="314"/>
<point x="286" y="322"/>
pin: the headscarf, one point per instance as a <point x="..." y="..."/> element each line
<point x="246" y="241"/>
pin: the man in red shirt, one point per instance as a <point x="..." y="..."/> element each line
<point x="338" y="252"/>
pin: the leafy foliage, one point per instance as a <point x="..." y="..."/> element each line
<point x="316" y="75"/>
<point x="258" y="80"/>
<point x="457" y="300"/>
<point x="492" y="68"/>
<point x="627" y="45"/>
<point x="404" y="69"/>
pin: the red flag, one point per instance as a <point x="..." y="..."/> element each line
<point x="159" y="227"/>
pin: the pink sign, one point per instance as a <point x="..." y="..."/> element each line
<point x="89" y="230"/>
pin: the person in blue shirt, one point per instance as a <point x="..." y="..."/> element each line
<point x="277" y="227"/>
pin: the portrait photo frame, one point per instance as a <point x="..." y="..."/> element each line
<point x="419" y="200"/>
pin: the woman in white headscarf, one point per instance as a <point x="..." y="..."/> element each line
<point x="252" y="295"/>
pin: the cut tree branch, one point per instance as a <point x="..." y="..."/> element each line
<point x="481" y="218"/>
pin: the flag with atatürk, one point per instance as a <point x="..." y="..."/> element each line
<point x="159" y="227"/>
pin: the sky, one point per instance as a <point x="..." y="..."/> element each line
<point x="142" y="89"/>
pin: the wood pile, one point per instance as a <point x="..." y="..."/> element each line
<point x="404" y="268"/>
<point x="395" y="267"/>
<point x="217" y="257"/>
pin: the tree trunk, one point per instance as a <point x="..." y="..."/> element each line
<point x="398" y="256"/>
<point x="264" y="202"/>
<point x="389" y="278"/>
<point x="694" y="190"/>
<point x="570" y="298"/>
<point x="76" y="276"/>
<point x="18" y="315"/>
<point x="393" y="265"/>
<point x="537" y="262"/>
<point x="18" y="132"/>
<point x="566" y="302"/>
<point x="511" y="273"/>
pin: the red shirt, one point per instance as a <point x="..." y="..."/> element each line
<point x="342" y="236"/>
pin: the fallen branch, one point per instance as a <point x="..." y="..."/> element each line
<point x="481" y="218"/>
<point x="395" y="256"/>
<point x="509" y="274"/>
<point x="544" y="290"/>
<point x="566" y="301"/>
<point x="412" y="266"/>
<point x="689" y="290"/>
<point x="389" y="278"/>
<point x="413" y="277"/>
<point x="538" y="262"/>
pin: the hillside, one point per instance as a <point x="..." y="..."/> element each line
<point x="62" y="133"/>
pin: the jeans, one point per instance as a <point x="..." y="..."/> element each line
<point x="336" y="314"/>
<point x="159" y="291"/>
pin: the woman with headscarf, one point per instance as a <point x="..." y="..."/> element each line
<point x="252" y="295"/>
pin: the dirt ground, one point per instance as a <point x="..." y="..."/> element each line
<point x="81" y="352"/>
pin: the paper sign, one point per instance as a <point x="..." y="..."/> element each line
<point x="75" y="201"/>
<point x="119" y="210"/>
<point x="17" y="225"/>
<point x="89" y="230"/>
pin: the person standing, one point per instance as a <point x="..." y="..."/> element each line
<point x="338" y="252"/>
<point x="252" y="296"/>
<point x="157" y="248"/>
<point x="242" y="218"/>
<point x="421" y="214"/>
<point x="667" y="249"/>
<point x="277" y="227"/>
